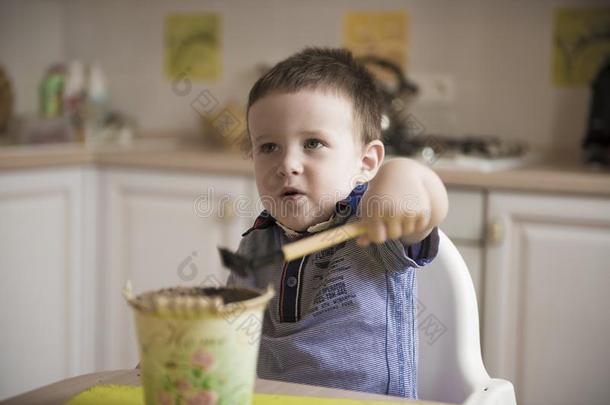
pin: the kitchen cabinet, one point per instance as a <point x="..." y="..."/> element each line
<point x="71" y="237"/>
<point x="162" y="229"/>
<point x="45" y="294"/>
<point x="546" y="323"/>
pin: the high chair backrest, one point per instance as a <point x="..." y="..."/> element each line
<point x="450" y="366"/>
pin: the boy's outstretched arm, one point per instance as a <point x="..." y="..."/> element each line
<point x="404" y="200"/>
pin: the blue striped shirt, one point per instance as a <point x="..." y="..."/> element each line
<point x="344" y="317"/>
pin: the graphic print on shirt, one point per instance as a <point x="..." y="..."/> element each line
<point x="330" y="286"/>
<point x="322" y="258"/>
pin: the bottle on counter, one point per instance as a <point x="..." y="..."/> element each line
<point x="96" y="108"/>
<point x="51" y="92"/>
<point x="75" y="98"/>
<point x="7" y="99"/>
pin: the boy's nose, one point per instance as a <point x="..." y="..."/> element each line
<point x="290" y="165"/>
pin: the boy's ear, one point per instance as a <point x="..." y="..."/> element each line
<point x="372" y="158"/>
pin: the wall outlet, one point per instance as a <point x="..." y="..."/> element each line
<point x="435" y="88"/>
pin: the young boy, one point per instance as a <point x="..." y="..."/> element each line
<point x="343" y="317"/>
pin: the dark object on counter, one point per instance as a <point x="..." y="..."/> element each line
<point x="396" y="95"/>
<point x="431" y="147"/>
<point x="6" y="101"/>
<point x="597" y="141"/>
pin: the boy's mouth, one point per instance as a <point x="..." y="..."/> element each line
<point x="291" y="193"/>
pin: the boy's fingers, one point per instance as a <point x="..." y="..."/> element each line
<point x="393" y="228"/>
<point x="408" y="226"/>
<point x="421" y="223"/>
<point x="363" y="241"/>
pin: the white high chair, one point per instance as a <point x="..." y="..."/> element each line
<point x="450" y="366"/>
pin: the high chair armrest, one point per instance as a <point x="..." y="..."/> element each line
<point x="495" y="392"/>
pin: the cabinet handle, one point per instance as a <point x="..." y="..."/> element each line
<point x="495" y="232"/>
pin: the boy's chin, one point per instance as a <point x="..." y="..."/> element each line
<point x="300" y="224"/>
<point x="296" y="225"/>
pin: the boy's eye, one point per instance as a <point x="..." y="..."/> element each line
<point x="313" y="144"/>
<point x="267" y="147"/>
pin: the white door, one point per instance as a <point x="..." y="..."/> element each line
<point x="44" y="310"/>
<point x="547" y="327"/>
<point x="162" y="230"/>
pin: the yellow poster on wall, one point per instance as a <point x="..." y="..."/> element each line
<point x="382" y="34"/>
<point x="581" y="43"/>
<point x="192" y="46"/>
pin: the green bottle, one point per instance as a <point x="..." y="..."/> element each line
<point x="51" y="92"/>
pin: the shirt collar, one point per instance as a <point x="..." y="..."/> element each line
<point x="343" y="210"/>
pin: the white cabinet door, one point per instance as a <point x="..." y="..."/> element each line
<point x="46" y="313"/>
<point x="163" y="230"/>
<point x="547" y="327"/>
<point x="466" y="217"/>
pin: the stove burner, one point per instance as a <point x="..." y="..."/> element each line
<point x="433" y="147"/>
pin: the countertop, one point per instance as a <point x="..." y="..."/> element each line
<point x="557" y="175"/>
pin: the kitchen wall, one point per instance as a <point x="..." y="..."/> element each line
<point x="31" y="38"/>
<point x="497" y="52"/>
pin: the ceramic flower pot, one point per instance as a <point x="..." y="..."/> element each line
<point x="199" y="346"/>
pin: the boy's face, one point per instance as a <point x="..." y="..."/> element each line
<point x="306" y="154"/>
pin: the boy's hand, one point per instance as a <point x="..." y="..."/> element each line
<point x="405" y="200"/>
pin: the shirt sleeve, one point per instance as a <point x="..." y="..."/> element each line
<point x="398" y="256"/>
<point x="425" y="251"/>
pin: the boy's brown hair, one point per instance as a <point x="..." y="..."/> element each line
<point x="326" y="69"/>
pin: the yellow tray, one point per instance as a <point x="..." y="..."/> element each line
<point x="132" y="395"/>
